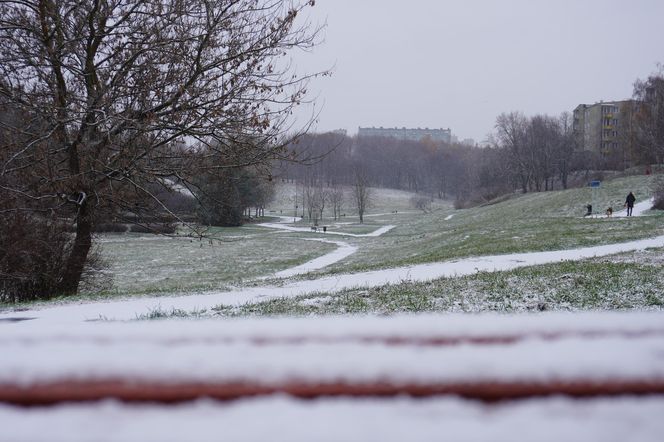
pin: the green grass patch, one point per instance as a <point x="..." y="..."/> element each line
<point x="571" y="286"/>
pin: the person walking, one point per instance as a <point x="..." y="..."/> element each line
<point x="629" y="203"/>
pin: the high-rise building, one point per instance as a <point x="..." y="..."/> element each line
<point x="444" y="135"/>
<point x="597" y="126"/>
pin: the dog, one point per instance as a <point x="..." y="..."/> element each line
<point x="609" y="212"/>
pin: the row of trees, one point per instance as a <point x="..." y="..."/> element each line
<point x="536" y="153"/>
<point x="532" y="154"/>
<point x="314" y="194"/>
<point x="425" y="167"/>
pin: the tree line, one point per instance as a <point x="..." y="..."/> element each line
<point x="523" y="153"/>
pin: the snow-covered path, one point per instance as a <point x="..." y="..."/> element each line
<point x="638" y="209"/>
<point x="284" y="220"/>
<point x="343" y="250"/>
<point x="131" y="308"/>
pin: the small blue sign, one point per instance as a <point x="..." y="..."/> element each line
<point x="594" y="183"/>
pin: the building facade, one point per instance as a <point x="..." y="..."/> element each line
<point x="597" y="126"/>
<point x="444" y="135"/>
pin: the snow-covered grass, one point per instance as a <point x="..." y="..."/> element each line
<point x="147" y="264"/>
<point x="157" y="264"/>
<point x="531" y="222"/>
<point x="619" y="282"/>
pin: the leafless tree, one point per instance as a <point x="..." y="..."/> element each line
<point x="361" y="192"/>
<point x="316" y="198"/>
<point x="564" y="152"/>
<point x="112" y="94"/>
<point x="649" y="119"/>
<point x="511" y="133"/>
<point x="337" y="200"/>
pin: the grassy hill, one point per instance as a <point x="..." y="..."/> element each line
<point x="522" y="223"/>
<point x="532" y="222"/>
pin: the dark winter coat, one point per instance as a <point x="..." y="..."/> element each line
<point x="630" y="200"/>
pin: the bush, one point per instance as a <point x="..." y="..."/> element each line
<point x="33" y="253"/>
<point x="422" y="203"/>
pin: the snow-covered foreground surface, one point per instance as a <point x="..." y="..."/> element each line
<point x="522" y="351"/>
<point x="417" y="349"/>
<point x="342" y="419"/>
<point x="131" y="308"/>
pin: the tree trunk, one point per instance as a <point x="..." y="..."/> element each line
<point x="79" y="252"/>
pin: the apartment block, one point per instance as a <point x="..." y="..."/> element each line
<point x="597" y="126"/>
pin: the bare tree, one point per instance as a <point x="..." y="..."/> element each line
<point x="112" y="90"/>
<point x="650" y="116"/>
<point x="564" y="151"/>
<point x="337" y="200"/>
<point x="511" y="134"/>
<point x="361" y="192"/>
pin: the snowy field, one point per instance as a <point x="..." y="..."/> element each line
<point x="393" y="235"/>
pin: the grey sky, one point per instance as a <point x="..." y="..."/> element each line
<point x="458" y="64"/>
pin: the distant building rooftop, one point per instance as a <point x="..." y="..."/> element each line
<point x="444" y="135"/>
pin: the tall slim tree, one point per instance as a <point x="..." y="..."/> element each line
<point x="361" y="191"/>
<point x="650" y="116"/>
<point x="111" y="94"/>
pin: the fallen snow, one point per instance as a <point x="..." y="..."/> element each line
<point x="342" y="419"/>
<point x="638" y="210"/>
<point x="221" y="351"/>
<point x="130" y="309"/>
<point x="590" y="346"/>
<point x="344" y="250"/>
<point x="281" y="225"/>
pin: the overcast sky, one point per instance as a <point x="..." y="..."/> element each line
<point x="460" y="63"/>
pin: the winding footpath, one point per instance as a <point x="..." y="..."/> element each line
<point x="342" y="251"/>
<point x="130" y="309"/>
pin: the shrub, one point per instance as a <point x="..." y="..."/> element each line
<point x="33" y="252"/>
<point x="422" y="203"/>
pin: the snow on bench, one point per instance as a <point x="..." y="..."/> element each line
<point x="482" y="357"/>
<point x="420" y="377"/>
